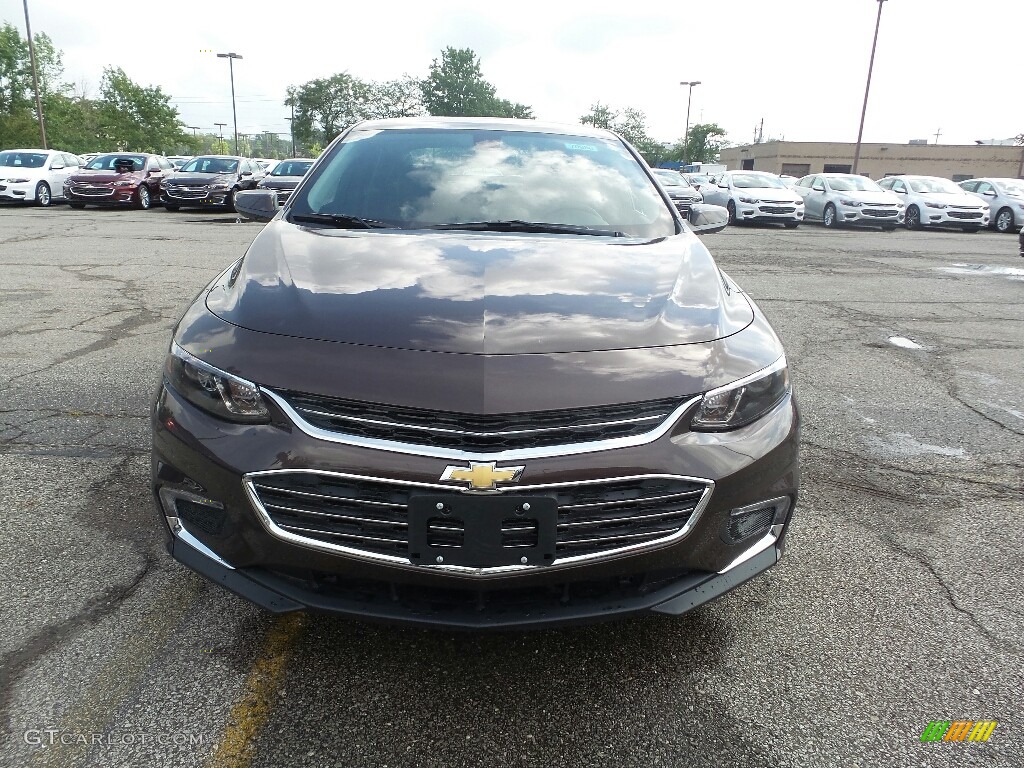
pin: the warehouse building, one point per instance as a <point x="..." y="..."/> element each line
<point x="956" y="162"/>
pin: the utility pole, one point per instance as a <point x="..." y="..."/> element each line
<point x="938" y="133"/>
<point x="867" y="88"/>
<point x="221" y="126"/>
<point x="35" y="77"/>
<point x="686" y="135"/>
<point x="231" y="65"/>
<point x="291" y="126"/>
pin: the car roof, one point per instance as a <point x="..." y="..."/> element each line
<point x="493" y="123"/>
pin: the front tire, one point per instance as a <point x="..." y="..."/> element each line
<point x="143" y="201"/>
<point x="828" y="217"/>
<point x="43" y="196"/>
<point x="1004" y="221"/>
<point x="731" y="207"/>
<point x="913" y="219"/>
<point x="229" y="201"/>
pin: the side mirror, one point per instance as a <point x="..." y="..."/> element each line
<point x="990" y="193"/>
<point x="57" y="166"/>
<point x="247" y="173"/>
<point x="818" y="188"/>
<point x="256" y="204"/>
<point x="705" y="219"/>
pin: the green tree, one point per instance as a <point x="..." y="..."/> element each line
<point x="18" y="121"/>
<point x="630" y="124"/>
<point x="395" y="98"/>
<point x="327" y="106"/>
<point x="455" y="87"/>
<point x="136" y="117"/>
<point x="707" y="140"/>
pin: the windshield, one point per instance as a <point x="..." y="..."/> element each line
<point x="210" y="165"/>
<point x="23" y="159"/>
<point x="852" y="184"/>
<point x="927" y="185"/>
<point x="117" y="163"/>
<point x="671" y="178"/>
<point x="291" y="168"/>
<point x="419" y="177"/>
<point x="756" y="181"/>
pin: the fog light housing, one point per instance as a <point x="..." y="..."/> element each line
<point x="755" y="520"/>
<point x="194" y="512"/>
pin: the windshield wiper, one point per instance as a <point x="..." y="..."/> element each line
<point x="340" y="220"/>
<point x="539" y="227"/>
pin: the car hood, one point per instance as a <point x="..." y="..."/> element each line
<point x="770" y="194"/>
<point x="951" y="198"/>
<point x="480" y="293"/>
<point x="201" y="179"/>
<point x="280" y="182"/>
<point x="885" y="198"/>
<point x="106" y="177"/>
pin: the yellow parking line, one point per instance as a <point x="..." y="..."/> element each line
<point x="237" y="745"/>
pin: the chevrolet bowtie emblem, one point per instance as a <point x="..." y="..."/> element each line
<point x="482" y="476"/>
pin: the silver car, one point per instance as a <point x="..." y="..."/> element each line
<point x="933" y="201"/>
<point x="679" y="190"/>
<point x="755" y="196"/>
<point x="1005" y="198"/>
<point x="838" y="199"/>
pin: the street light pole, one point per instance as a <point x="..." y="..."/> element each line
<point x="231" y="65"/>
<point x="686" y="136"/>
<point x="35" y="78"/>
<point x="867" y="88"/>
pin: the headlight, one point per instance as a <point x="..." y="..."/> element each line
<point x="218" y="186"/>
<point x="124" y="183"/>
<point x="214" y="390"/>
<point x="743" y="401"/>
<point x="749" y="200"/>
<point x="936" y="205"/>
<point x="850" y="203"/>
<point x="18" y="181"/>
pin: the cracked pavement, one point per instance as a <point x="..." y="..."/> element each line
<point x="899" y="601"/>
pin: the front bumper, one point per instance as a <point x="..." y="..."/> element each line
<point x="869" y="216"/>
<point x="201" y="457"/>
<point x="194" y="198"/>
<point x="22" y="192"/>
<point x="951" y="217"/>
<point x="477" y="609"/>
<point x="101" y="195"/>
<point x="769" y="211"/>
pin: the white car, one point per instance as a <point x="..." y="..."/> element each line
<point x="837" y="199"/>
<point x="1003" y="196"/>
<point x="35" y="175"/>
<point x="755" y="196"/>
<point x="936" y="202"/>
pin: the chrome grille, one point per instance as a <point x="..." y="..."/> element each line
<point x="186" y="193"/>
<point x="93" y="191"/>
<point x="364" y="515"/>
<point x="481" y="432"/>
<point x="777" y="209"/>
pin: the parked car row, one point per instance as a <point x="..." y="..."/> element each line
<point x="845" y="199"/>
<point x="139" y="179"/>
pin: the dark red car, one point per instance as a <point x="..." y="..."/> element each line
<point x="119" y="178"/>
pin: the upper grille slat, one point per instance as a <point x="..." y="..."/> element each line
<point x="480" y="433"/>
<point x="363" y="515"/>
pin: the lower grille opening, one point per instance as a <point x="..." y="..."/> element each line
<point x="519" y="532"/>
<point x="445" y="532"/>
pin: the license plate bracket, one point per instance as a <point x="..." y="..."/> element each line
<point x="482" y="531"/>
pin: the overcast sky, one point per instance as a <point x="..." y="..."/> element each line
<point x="942" y="65"/>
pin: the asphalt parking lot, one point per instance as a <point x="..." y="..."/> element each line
<point x="900" y="600"/>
